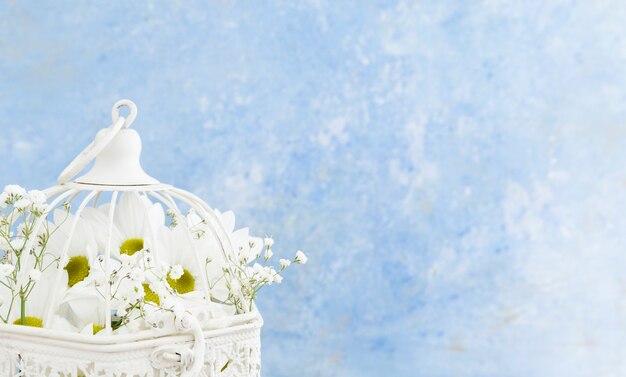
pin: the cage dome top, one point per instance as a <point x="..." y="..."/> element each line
<point x="117" y="151"/>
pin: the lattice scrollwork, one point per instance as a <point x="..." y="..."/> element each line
<point x="234" y="354"/>
<point x="236" y="359"/>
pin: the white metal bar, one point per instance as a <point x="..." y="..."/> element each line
<point x="199" y="261"/>
<point x="50" y="192"/>
<point x="194" y="201"/>
<point x="214" y="225"/>
<point x="205" y="280"/>
<point x="107" y="267"/>
<point x="97" y="199"/>
<point x="170" y="205"/>
<point x="165" y="199"/>
<point x="73" y="197"/>
<point x="128" y="342"/>
<point x="154" y="250"/>
<point x="63" y="259"/>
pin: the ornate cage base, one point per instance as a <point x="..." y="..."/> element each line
<point x="233" y="351"/>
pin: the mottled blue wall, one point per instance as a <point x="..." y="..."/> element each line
<point x="456" y="170"/>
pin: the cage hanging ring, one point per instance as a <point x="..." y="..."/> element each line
<point x="115" y="112"/>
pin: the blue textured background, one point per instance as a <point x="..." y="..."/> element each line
<point x="454" y="169"/>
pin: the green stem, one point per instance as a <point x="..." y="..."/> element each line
<point x="23" y="309"/>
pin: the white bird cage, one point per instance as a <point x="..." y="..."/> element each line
<point x="195" y="345"/>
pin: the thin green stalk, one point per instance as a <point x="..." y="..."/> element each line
<point x="23" y="309"/>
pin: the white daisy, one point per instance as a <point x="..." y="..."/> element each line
<point x="135" y="218"/>
<point x="82" y="250"/>
<point x="83" y="307"/>
<point x="36" y="304"/>
<point x="178" y="249"/>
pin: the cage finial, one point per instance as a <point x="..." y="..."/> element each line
<point x="116" y="150"/>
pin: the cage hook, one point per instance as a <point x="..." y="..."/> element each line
<point x="115" y="112"/>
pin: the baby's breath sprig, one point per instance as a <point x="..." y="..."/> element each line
<point x="20" y="212"/>
<point x="247" y="276"/>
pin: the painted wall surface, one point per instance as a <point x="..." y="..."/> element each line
<point x="455" y="169"/>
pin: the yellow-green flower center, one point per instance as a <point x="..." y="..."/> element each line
<point x="185" y="284"/>
<point x="30" y="321"/>
<point x="77" y="270"/>
<point x="131" y="246"/>
<point x="150" y="295"/>
<point x="97" y="329"/>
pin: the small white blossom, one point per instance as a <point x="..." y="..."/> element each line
<point x="22" y="203"/>
<point x="176" y="272"/>
<point x="301" y="258"/>
<point x="35" y="275"/>
<point x="284" y="263"/>
<point x="40" y="207"/>
<point x="268" y="274"/>
<point x="268" y="241"/>
<point x="257" y="268"/>
<point x="268" y="253"/>
<point x="15" y="190"/>
<point x="6" y="269"/>
<point x="37" y="197"/>
<point x="278" y="279"/>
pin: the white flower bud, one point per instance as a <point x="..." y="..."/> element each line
<point x="284" y="263"/>
<point x="258" y="269"/>
<point x="40" y="207"/>
<point x="15" y="190"/>
<point x="268" y="241"/>
<point x="37" y="197"/>
<point x="22" y="203"/>
<point x="268" y="253"/>
<point x="301" y="258"/>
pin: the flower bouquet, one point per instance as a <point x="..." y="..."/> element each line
<point x="116" y="274"/>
